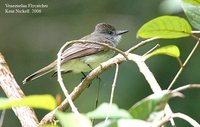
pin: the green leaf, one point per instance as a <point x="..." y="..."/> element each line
<point x="192" y="11"/>
<point x="165" y="27"/>
<point x="106" y="109"/>
<point x="34" y="101"/>
<point x="73" y="120"/>
<point x="194" y="2"/>
<point x="149" y="105"/>
<point x="133" y="123"/>
<point x="170" y="50"/>
<point x="108" y="123"/>
<point x="125" y="123"/>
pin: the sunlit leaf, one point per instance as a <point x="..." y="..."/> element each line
<point x="153" y="103"/>
<point x="125" y="123"/>
<point x="165" y="27"/>
<point x="108" y="123"/>
<point x="170" y="50"/>
<point x="194" y="2"/>
<point x="170" y="6"/>
<point x="73" y="120"/>
<point x="192" y="10"/>
<point x="106" y="109"/>
<point x="34" y="101"/>
<point x="133" y="123"/>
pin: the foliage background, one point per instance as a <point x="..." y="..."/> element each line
<point x="31" y="41"/>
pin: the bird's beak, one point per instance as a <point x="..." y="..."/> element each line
<point x="119" y="32"/>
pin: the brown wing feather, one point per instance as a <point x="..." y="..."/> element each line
<point x="79" y="49"/>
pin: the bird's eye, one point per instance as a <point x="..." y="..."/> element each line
<point x="110" y="32"/>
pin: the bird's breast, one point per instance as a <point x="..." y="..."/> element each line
<point x="87" y="63"/>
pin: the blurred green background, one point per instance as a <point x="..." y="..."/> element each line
<point x="31" y="41"/>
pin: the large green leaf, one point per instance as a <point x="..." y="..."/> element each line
<point x="192" y="10"/>
<point x="149" y="105"/>
<point x="165" y="27"/>
<point x="34" y="101"/>
<point x="73" y="120"/>
<point x="106" y="109"/>
<point x="170" y="50"/>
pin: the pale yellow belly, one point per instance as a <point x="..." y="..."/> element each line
<point x="81" y="64"/>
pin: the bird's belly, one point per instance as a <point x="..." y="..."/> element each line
<point x="87" y="63"/>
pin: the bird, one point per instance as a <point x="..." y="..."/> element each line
<point x="83" y="57"/>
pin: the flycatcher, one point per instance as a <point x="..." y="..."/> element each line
<point x="81" y="57"/>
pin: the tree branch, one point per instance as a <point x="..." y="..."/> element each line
<point x="186" y="87"/>
<point x="26" y="115"/>
<point x="100" y="69"/>
<point x="178" y="115"/>
<point x="97" y="71"/>
<point x="61" y="83"/>
<point x="82" y="86"/>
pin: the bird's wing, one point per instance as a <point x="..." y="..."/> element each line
<point x="78" y="50"/>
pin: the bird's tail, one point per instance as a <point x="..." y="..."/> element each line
<point x="40" y="72"/>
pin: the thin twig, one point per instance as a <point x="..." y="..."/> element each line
<point x="2" y="117"/>
<point x="186" y="87"/>
<point x="141" y="44"/>
<point x="97" y="97"/>
<point x="195" y="37"/>
<point x="152" y="49"/>
<point x="60" y="80"/>
<point x="186" y="118"/>
<point x="180" y="62"/>
<point x="184" y="64"/>
<point x="195" y="31"/>
<point x="114" y="83"/>
<point x="112" y="91"/>
<point x="98" y="92"/>
<point x="178" y="115"/>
